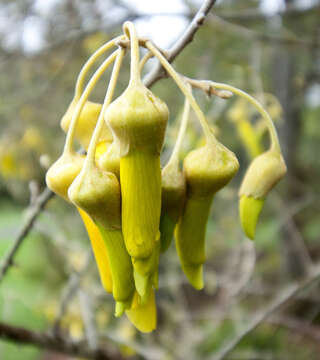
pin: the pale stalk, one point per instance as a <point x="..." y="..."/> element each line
<point x="269" y="123"/>
<point x="130" y="31"/>
<point x="145" y="59"/>
<point x="87" y="66"/>
<point x="174" y="158"/>
<point x="185" y="90"/>
<point x="84" y="97"/>
<point x="107" y="100"/>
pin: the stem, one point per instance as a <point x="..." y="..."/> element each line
<point x="174" y="159"/>
<point x="269" y="123"/>
<point x="185" y="90"/>
<point x="144" y="60"/>
<point x="107" y="100"/>
<point x="130" y="31"/>
<point x="84" y="97"/>
<point x="86" y="67"/>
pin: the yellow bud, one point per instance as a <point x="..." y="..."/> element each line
<point x="86" y="123"/>
<point x="250" y="209"/>
<point x="173" y="199"/>
<point x="110" y="159"/>
<point x="265" y="171"/>
<point x="97" y="192"/>
<point x="207" y="170"/>
<point x="99" y="249"/>
<point x="62" y="173"/>
<point x="250" y="138"/>
<point x="143" y="317"/>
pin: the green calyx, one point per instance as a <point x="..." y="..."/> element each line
<point x="209" y="168"/>
<point x="138" y="119"/>
<point x="97" y="192"/>
<point x="265" y="171"/>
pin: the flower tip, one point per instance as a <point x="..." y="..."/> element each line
<point x="250" y="209"/>
<point x="194" y="274"/>
<point x="119" y="309"/>
<point x="143" y="316"/>
<point x="143" y="286"/>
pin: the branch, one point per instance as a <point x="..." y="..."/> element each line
<point x="61" y="344"/>
<point x="283" y="298"/>
<point x="198" y="20"/>
<point x="33" y="211"/>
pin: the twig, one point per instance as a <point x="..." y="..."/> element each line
<point x="280" y="300"/>
<point x="34" y="211"/>
<point x="69" y="292"/>
<point x="198" y="20"/>
<point x="88" y="319"/>
<point x="64" y="345"/>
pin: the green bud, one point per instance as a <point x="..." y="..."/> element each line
<point x="97" y="192"/>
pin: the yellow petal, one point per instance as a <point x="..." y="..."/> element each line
<point x="250" y="209"/>
<point x="140" y="179"/>
<point x="99" y="250"/>
<point x="143" y="317"/>
<point x="190" y="238"/>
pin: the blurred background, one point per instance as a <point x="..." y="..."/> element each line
<point x="269" y="48"/>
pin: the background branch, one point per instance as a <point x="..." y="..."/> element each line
<point x="283" y="298"/>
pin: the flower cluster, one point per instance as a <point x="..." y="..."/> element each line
<point x="131" y="208"/>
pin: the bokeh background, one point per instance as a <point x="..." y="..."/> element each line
<point x="269" y="48"/>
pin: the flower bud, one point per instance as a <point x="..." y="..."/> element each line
<point x="207" y="170"/>
<point x="143" y="316"/>
<point x="146" y="273"/>
<point x="110" y="159"/>
<point x="138" y="120"/>
<point x="173" y="200"/>
<point x="61" y="174"/>
<point x="265" y="171"/>
<point x="86" y="123"/>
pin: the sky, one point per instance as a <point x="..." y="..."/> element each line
<point x="163" y="30"/>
